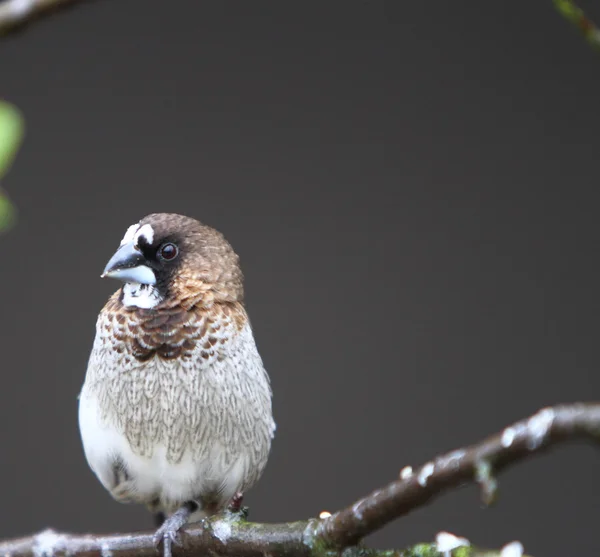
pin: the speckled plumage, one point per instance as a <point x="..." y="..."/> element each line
<point x="176" y="404"/>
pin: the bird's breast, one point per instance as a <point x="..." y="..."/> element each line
<point x="209" y="402"/>
<point x="170" y="333"/>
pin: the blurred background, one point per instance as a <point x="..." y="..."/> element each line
<point x="413" y="190"/>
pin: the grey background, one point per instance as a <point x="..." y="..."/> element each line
<point x="413" y="190"/>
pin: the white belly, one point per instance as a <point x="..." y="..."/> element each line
<point x="180" y="430"/>
<point x="155" y="477"/>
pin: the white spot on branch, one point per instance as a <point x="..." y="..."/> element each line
<point x="452" y="460"/>
<point x="104" y="551"/>
<point x="513" y="549"/>
<point x="406" y="472"/>
<point x="46" y="543"/>
<point x="539" y="425"/>
<point x="19" y="8"/>
<point x="324" y="514"/>
<point x="425" y="473"/>
<point x="446" y="542"/>
<point x="221" y="530"/>
<point x="508" y="436"/>
<point x="356" y="511"/>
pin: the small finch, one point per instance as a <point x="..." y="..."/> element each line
<point x="175" y="411"/>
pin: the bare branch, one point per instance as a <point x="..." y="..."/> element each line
<point x="15" y="13"/>
<point x="220" y="537"/>
<point x="232" y="535"/>
<point x="548" y="427"/>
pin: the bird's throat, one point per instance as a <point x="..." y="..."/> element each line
<point x="143" y="296"/>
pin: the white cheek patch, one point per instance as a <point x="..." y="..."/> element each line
<point x="130" y="234"/>
<point x="142" y="296"/>
<point x="146" y="232"/>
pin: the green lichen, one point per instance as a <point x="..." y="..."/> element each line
<point x="302" y="538"/>
<point x="419" y="550"/>
<point x="485" y="478"/>
<point x="422" y="550"/>
<point x="367" y="552"/>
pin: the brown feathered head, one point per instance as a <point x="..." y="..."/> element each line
<point x="171" y="259"/>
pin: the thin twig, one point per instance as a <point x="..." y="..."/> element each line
<point x="231" y="535"/>
<point x="573" y="13"/>
<point x="15" y="13"/>
<point x="518" y="442"/>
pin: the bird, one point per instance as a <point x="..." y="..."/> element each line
<point x="175" y="411"/>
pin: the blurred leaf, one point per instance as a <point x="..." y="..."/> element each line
<point x="11" y="135"/>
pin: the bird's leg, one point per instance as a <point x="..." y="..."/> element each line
<point x="168" y="533"/>
<point x="159" y="519"/>
<point x="235" y="505"/>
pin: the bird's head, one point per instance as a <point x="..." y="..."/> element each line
<point x="173" y="259"/>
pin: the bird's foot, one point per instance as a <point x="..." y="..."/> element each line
<point x="169" y="533"/>
<point x="235" y="505"/>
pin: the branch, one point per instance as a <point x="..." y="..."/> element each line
<point x="220" y="537"/>
<point x="573" y="13"/>
<point x="15" y="13"/>
<point x="231" y="535"/>
<point x="478" y="463"/>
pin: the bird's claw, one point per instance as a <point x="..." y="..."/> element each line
<point x="169" y="533"/>
<point x="169" y="538"/>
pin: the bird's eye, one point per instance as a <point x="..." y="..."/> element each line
<point x="168" y="252"/>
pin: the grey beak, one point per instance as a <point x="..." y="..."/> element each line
<point x="128" y="264"/>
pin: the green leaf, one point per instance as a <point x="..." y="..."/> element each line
<point x="11" y="135"/>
